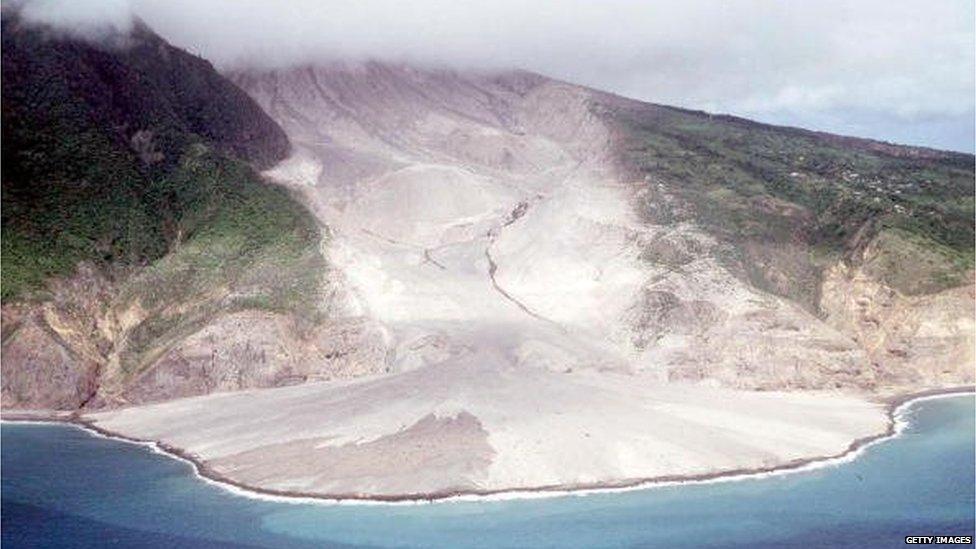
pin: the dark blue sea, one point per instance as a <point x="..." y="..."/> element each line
<point x="63" y="487"/>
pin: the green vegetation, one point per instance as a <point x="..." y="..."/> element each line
<point x="231" y="227"/>
<point x="137" y="160"/>
<point x="765" y="189"/>
<point x="242" y="244"/>
<point x="209" y="217"/>
<point x="915" y="263"/>
<point x="68" y="194"/>
<point x="223" y="240"/>
<point x="95" y="140"/>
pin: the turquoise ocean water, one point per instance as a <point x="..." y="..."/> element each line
<point x="62" y="487"/>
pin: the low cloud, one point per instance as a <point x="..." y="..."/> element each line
<point x="85" y="19"/>
<point x="909" y="64"/>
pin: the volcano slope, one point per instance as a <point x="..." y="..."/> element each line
<point x="574" y="289"/>
<point x="144" y="258"/>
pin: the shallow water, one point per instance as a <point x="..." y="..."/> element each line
<point x="63" y="487"/>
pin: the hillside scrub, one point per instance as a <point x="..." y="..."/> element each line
<point x="95" y="141"/>
<point x="761" y="189"/>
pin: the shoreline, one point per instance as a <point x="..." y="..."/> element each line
<point x="894" y="408"/>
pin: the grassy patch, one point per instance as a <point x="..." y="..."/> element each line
<point x="242" y="244"/>
<point x="916" y="263"/>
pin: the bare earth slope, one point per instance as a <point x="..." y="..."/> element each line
<point x="540" y="328"/>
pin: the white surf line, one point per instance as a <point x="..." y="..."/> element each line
<point x="900" y="417"/>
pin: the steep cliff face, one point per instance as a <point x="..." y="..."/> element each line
<point x="871" y="242"/>
<point x="143" y="257"/>
<point x="909" y="340"/>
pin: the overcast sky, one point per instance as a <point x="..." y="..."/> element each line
<point x="898" y="70"/>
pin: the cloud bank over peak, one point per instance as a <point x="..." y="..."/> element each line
<point x="897" y="70"/>
<point x="85" y="19"/>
